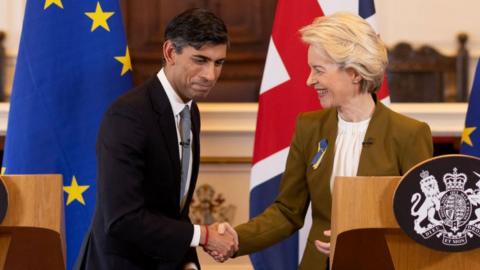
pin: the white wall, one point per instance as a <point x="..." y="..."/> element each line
<point x="11" y="18"/>
<point x="434" y="22"/>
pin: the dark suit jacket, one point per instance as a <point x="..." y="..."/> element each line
<point x="138" y="223"/>
<point x="397" y="143"/>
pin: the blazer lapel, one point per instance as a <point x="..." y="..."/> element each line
<point x="166" y="120"/>
<point x="368" y="149"/>
<point x="331" y="126"/>
<point x="320" y="178"/>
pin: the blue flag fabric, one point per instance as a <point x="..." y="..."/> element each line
<point x="471" y="133"/>
<point x="73" y="62"/>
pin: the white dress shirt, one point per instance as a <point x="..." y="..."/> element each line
<point x="177" y="106"/>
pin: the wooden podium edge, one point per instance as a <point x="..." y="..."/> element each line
<point x="402" y="251"/>
<point x="35" y="212"/>
<point x="39" y="253"/>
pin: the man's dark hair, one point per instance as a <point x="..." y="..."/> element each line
<point x="196" y="27"/>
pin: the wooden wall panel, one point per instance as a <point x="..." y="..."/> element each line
<point x="249" y="24"/>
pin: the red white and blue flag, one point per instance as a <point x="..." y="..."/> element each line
<point x="283" y="95"/>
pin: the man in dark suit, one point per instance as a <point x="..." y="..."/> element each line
<point x="148" y="157"/>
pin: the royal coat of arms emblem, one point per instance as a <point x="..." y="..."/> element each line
<point x="445" y="213"/>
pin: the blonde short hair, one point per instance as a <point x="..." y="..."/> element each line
<point x="350" y="42"/>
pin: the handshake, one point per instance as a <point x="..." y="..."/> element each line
<point x="219" y="240"/>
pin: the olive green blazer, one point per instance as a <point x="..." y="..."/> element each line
<point x="395" y="144"/>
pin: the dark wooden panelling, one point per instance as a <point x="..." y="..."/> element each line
<point x="249" y="24"/>
<point x="426" y="75"/>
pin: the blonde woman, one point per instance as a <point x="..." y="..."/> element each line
<point x="357" y="135"/>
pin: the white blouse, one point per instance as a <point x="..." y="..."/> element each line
<point x="348" y="147"/>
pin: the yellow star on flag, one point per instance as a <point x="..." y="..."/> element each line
<point x="466" y="135"/>
<point x="125" y="60"/>
<point x="99" y="18"/>
<point x="3" y="170"/>
<point x="75" y="192"/>
<point x="48" y="3"/>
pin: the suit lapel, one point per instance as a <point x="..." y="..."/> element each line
<point x="166" y="121"/>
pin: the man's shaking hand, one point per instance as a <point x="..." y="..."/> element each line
<point x="222" y="241"/>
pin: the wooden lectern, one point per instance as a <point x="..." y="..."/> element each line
<point x="32" y="233"/>
<point x="365" y="233"/>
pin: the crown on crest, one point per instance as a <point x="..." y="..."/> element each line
<point x="426" y="177"/>
<point x="455" y="180"/>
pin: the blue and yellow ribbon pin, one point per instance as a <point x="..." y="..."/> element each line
<point x="322" y="147"/>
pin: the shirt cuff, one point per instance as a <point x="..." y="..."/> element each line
<point x="190" y="266"/>
<point x="196" y="236"/>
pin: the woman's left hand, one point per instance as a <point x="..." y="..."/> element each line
<point x="323" y="247"/>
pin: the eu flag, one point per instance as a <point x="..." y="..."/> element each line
<point x="73" y="62"/>
<point x="471" y="133"/>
